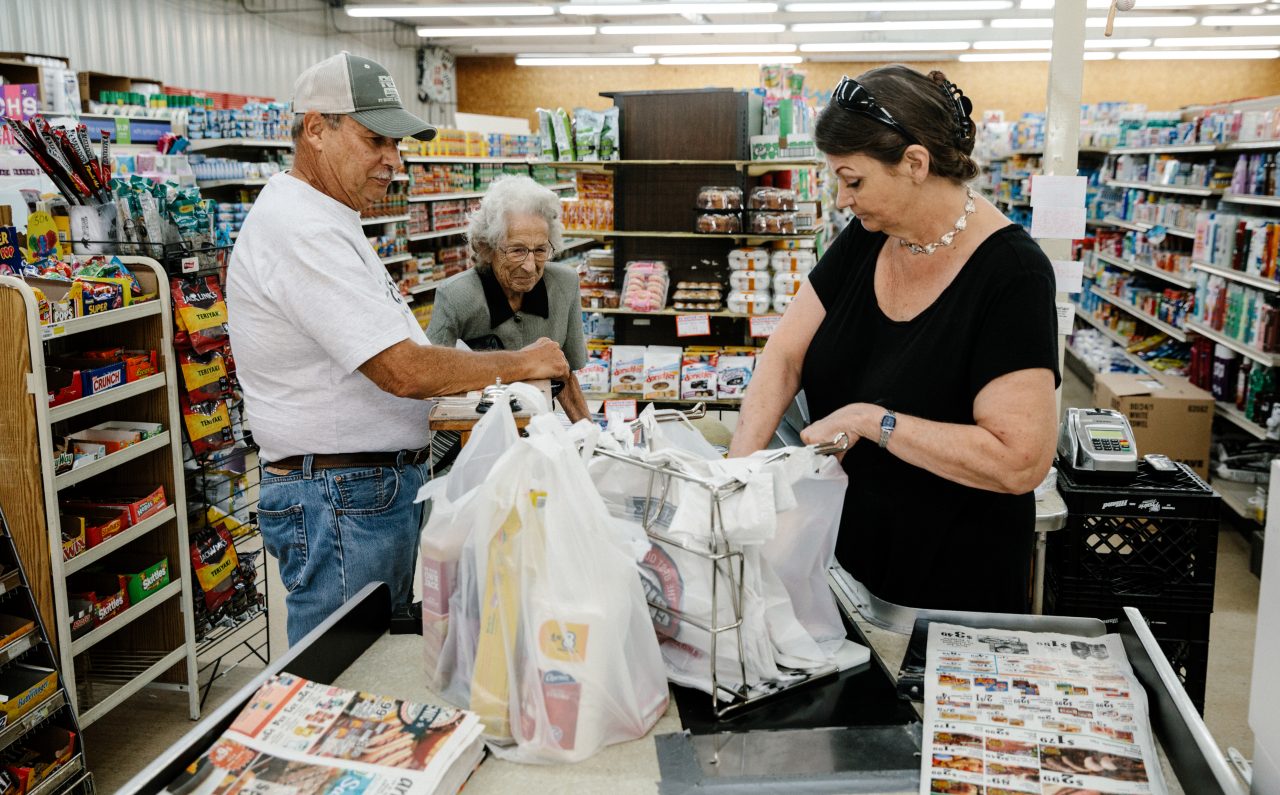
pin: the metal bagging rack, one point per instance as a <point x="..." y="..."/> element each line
<point x="727" y="562"/>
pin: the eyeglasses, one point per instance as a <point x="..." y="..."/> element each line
<point x="855" y="98"/>
<point x="521" y="253"/>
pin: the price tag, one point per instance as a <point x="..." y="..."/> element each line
<point x="623" y="409"/>
<point x="693" y="325"/>
<point x="124" y="135"/>
<point x="49" y="332"/>
<point x="190" y="264"/>
<point x="764" y="325"/>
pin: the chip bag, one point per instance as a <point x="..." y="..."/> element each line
<point x="201" y="312"/>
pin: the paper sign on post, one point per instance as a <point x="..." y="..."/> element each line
<point x="1057" y="191"/>
<point x="1057" y="222"/>
<point x="693" y="325"/>
<point x="625" y="410"/>
<point x="1070" y="275"/>
<point x="764" y="325"/>
<point x="1066" y="313"/>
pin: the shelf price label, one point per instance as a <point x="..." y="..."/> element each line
<point x="693" y="325"/>
<point x="624" y="410"/>
<point x="190" y="264"/>
<point x="764" y="325"/>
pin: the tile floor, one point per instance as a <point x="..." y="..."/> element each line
<point x="127" y="740"/>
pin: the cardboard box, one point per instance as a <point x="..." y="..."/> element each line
<point x="141" y="575"/>
<point x="99" y="523"/>
<point x="107" y="592"/>
<point x="1168" y="414"/>
<point x="22" y="688"/>
<point x="73" y="536"/>
<point x="39" y="755"/>
<point x="138" y="502"/>
<point x="13" y="627"/>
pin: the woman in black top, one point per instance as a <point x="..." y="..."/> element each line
<point x="927" y="333"/>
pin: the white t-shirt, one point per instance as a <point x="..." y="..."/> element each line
<point x="308" y="302"/>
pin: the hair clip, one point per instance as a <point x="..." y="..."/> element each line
<point x="962" y="108"/>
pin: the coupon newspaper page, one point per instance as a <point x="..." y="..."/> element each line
<point x="1008" y="713"/>
<point x="296" y="737"/>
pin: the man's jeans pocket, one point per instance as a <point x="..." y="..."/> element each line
<point x="284" y="534"/>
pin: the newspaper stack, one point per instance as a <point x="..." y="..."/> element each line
<point x="300" y="737"/>
<point x="1030" y="712"/>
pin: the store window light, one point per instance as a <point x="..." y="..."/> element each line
<point x="1122" y="21"/>
<point x="1198" y="55"/>
<point x="1041" y="5"/>
<point x="493" y="33"/>
<point x="1257" y="20"/>
<point x="913" y="24"/>
<point x="669" y="9"/>
<point x="1219" y="41"/>
<point x="994" y="57"/>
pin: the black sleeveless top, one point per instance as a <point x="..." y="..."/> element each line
<point x="910" y="536"/>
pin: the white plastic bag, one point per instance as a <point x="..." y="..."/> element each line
<point x="550" y="640"/>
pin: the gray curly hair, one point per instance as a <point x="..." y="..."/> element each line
<point x="507" y="196"/>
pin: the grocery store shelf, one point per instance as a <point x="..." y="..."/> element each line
<point x="111" y="461"/>
<point x="694" y="235"/>
<point x="35" y="717"/>
<point x="1153" y="321"/>
<point x="1238" y="146"/>
<point x="1236" y="276"/>
<point x="96" y="553"/>
<point x="201" y="144"/>
<point x="1183" y="190"/>
<point x="19" y="645"/>
<point x="1112" y="335"/>
<point x="126" y="617"/>
<point x="90" y="322"/>
<point x="1138" y="266"/>
<point x="575" y="242"/>
<point x="425" y="286"/>
<point x="496" y="160"/>
<point x="642" y="400"/>
<point x="752" y="167"/>
<point x="385" y="219"/>
<point x="1260" y="356"/>
<point x="665" y="312"/>
<point x="462" y="230"/>
<point x="1244" y="198"/>
<point x="473" y="194"/>
<point x="1159" y="150"/>
<point x="1235" y="416"/>
<point x="394" y="258"/>
<point x="60" y="777"/>
<point x="1143" y="226"/>
<point x="1236" y="495"/>
<point x="105" y="398"/>
<point x="231" y="183"/>
<point x="10" y="580"/>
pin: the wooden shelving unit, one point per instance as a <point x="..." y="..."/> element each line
<point x="153" y="641"/>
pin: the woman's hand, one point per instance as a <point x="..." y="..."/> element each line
<point x="858" y="420"/>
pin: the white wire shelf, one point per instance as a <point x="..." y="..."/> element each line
<point x="1151" y="320"/>
<point x="91" y="322"/>
<point x="111" y="461"/>
<point x="105" y="398"/>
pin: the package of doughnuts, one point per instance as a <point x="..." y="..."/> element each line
<point x="662" y="371"/>
<point x="749" y="281"/>
<point x="745" y="303"/>
<point x="748" y="259"/>
<point x="719" y="198"/>
<point x="600" y="298"/>
<point x="718" y="223"/>
<point x="644" y="288"/>
<point x="781" y="302"/>
<point x="788" y="282"/>
<point x="796" y="261"/>
<point x="773" y="223"/>
<point x="769" y="198"/>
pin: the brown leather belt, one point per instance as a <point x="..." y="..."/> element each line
<point x="350" y="460"/>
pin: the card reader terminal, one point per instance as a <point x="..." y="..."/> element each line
<point x="1097" y="440"/>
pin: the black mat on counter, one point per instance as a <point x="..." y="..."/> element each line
<point x="862" y="696"/>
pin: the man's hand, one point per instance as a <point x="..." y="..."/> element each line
<point x="545" y="360"/>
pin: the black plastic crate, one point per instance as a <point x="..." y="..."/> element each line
<point x="1148" y="541"/>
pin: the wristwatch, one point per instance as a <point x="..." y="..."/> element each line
<point x="887" y="424"/>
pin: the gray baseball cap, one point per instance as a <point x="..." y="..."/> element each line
<point x="362" y="89"/>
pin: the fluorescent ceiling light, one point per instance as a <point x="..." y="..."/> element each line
<point x="690" y="29"/>
<point x="1014" y="22"/>
<point x="885" y="46"/>
<point x="1260" y="20"/>
<point x="693" y="60"/>
<point x="1027" y="56"/>
<point x="711" y="49"/>
<point x="914" y="24"/>
<point x="1198" y="55"/>
<point x="1040" y="5"/>
<point x="1123" y="21"/>
<point x="1219" y="41"/>
<point x="584" y="61"/>
<point x="1111" y="44"/>
<point x="1027" y="44"/>
<point x="497" y="33"/>
<point x="450" y="11"/>
<point x="902" y="5"/>
<point x="633" y="9"/>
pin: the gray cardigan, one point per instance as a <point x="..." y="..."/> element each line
<point x="472" y="307"/>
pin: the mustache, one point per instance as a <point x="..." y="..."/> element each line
<point x="387" y="174"/>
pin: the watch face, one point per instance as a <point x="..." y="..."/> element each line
<point x="888" y="422"/>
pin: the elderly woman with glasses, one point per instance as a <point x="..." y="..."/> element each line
<point x="514" y="295"/>
<point x="927" y="333"/>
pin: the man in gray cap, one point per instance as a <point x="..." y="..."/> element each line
<point x="333" y="364"/>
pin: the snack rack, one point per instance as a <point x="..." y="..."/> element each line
<point x="726" y="560"/>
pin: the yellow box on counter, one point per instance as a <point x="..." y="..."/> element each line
<point x="1168" y="414"/>
<point x="22" y="688"/>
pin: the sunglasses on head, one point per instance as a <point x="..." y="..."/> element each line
<point x="855" y="98"/>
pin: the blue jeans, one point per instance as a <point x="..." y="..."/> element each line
<point x="334" y="531"/>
